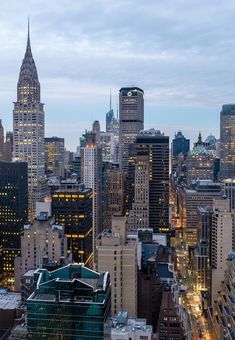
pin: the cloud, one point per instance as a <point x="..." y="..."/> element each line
<point x="180" y="52"/>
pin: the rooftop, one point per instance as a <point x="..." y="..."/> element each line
<point x="9" y="300"/>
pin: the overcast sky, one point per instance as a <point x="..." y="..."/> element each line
<point x="181" y="53"/>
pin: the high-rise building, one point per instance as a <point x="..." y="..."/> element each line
<point x="28" y="126"/>
<point x="228" y="185"/>
<point x="72" y="208"/>
<point x="180" y="145"/>
<point x="72" y="302"/>
<point x="91" y="176"/>
<point x="139" y="214"/>
<point x="131" y="113"/>
<point x="13" y="215"/>
<point x="54" y="156"/>
<point x="200" y="162"/>
<point x="227" y="141"/>
<point x="1" y="142"/>
<point x="108" y="147"/>
<point x="222" y="239"/>
<point x="155" y="146"/>
<point x="119" y="258"/>
<point x="189" y="199"/>
<point x="8" y="146"/>
<point x="42" y="243"/>
<point x="116" y="194"/>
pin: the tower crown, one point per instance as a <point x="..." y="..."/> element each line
<point x="28" y="87"/>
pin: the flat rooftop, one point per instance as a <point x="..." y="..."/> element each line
<point x="9" y="300"/>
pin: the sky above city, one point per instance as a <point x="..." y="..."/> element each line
<point x="181" y="53"/>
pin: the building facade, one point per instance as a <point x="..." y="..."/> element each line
<point x="72" y="208"/>
<point x="28" y="129"/>
<point x="72" y="302"/>
<point x="13" y="215"/>
<point x="227" y="141"/>
<point x="131" y="114"/>
<point x="54" y="156"/>
<point x="42" y="242"/>
<point x="119" y="258"/>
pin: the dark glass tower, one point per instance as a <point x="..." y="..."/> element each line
<point x="72" y="208"/>
<point x="131" y="113"/>
<point x="28" y="126"/>
<point x="227" y="141"/>
<point x="13" y="215"/>
<point x="180" y="144"/>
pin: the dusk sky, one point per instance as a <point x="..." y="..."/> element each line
<point x="181" y="53"/>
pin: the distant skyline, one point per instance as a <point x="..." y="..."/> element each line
<point x="180" y="53"/>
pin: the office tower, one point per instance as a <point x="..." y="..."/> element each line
<point x="189" y="199"/>
<point x="54" y="156"/>
<point x="112" y="123"/>
<point x="200" y="162"/>
<point x="229" y="191"/>
<point x="116" y="194"/>
<point x="42" y="243"/>
<point x="28" y="125"/>
<point x="139" y="214"/>
<point x="13" y="215"/>
<point x="222" y="239"/>
<point x="131" y="113"/>
<point x="119" y="258"/>
<point x="170" y="322"/>
<point x="8" y="146"/>
<point x="221" y="315"/>
<point x="201" y="253"/>
<point x="1" y="141"/>
<point x="153" y="144"/>
<point x="96" y="130"/>
<point x="72" y="208"/>
<point x="108" y="147"/>
<point x="227" y="141"/>
<point x="72" y="302"/>
<point x="91" y="177"/>
<point x="75" y="167"/>
<point x="180" y="147"/>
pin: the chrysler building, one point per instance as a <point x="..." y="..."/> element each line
<point x="28" y="126"/>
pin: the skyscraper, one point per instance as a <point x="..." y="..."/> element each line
<point x="153" y="144"/>
<point x="28" y="125"/>
<point x="54" y="156"/>
<point x="227" y="141"/>
<point x="1" y="141"/>
<point x="8" y="146"/>
<point x="13" y="214"/>
<point x="131" y="112"/>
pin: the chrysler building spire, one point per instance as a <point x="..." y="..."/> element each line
<point x="28" y="119"/>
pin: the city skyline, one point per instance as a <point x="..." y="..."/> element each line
<point x="185" y="76"/>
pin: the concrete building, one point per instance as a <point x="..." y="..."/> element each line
<point x="41" y="242"/>
<point x="221" y="315"/>
<point x="125" y="328"/>
<point x="227" y="141"/>
<point x="107" y="144"/>
<point x="222" y="240"/>
<point x="9" y="310"/>
<point x="72" y="302"/>
<point x="139" y="214"/>
<point x="28" y="129"/>
<point x="131" y="113"/>
<point x="1" y="141"/>
<point x="91" y="177"/>
<point x="189" y="199"/>
<point x="228" y="186"/>
<point x="119" y="258"/>
<point x="116" y="194"/>
<point x="54" y="156"/>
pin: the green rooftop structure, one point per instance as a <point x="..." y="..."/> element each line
<point x="72" y="302"/>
